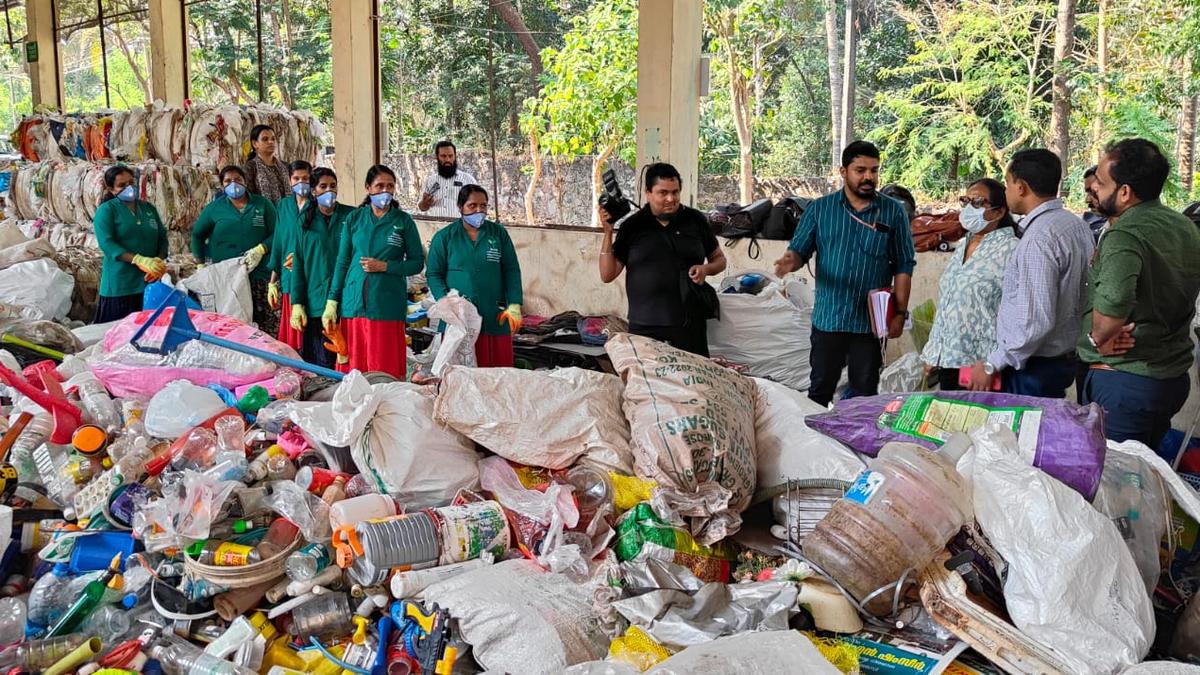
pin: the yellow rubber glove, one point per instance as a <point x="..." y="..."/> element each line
<point x="153" y="268"/>
<point x="512" y="316"/>
<point x="273" y="295"/>
<point x="299" y="318"/>
<point x="254" y="256"/>
<point x="329" y="317"/>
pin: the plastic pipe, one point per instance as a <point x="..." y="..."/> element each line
<point x="82" y="654"/>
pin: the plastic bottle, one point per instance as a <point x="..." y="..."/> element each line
<point x="222" y="553"/>
<point x="409" y="584"/>
<point x="40" y="654"/>
<point x="258" y="468"/>
<point x="280" y="467"/>
<point x="280" y="535"/>
<point x="316" y="480"/>
<point x="357" y="509"/>
<point x="97" y="404"/>
<point x="239" y="526"/>
<point x="360" y="485"/>
<point x="230" y="465"/>
<point x="196" y="452"/>
<point x="400" y="541"/>
<point x="36" y="433"/>
<point x="231" y="432"/>
<point x="53" y="465"/>
<point x="12" y="620"/>
<point x="896" y="516"/>
<point x="107" y="623"/>
<point x="336" y="492"/>
<point x="305" y="563"/>
<point x="49" y="589"/>
<point x="182" y="658"/>
<point x="93" y="595"/>
<point x="287" y="384"/>
<point x="132" y="463"/>
<point x="326" y="618"/>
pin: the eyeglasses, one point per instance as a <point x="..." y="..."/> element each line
<point x="977" y="202"/>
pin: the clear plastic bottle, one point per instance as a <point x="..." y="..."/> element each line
<point x="107" y="623"/>
<point x="280" y="535"/>
<point x="327" y="617"/>
<point x="96" y="402"/>
<point x="12" y="620"/>
<point x="47" y="594"/>
<point x="896" y="516"/>
<point x="287" y="384"/>
<point x="228" y="466"/>
<point x="40" y="654"/>
<point x="196" y="452"/>
<point x="307" y="562"/>
<point x="36" y="433"/>
<point x="360" y="485"/>
<point x="181" y="658"/>
<point x="231" y="432"/>
<point x="53" y="465"/>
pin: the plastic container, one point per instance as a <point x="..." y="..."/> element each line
<point x="107" y="623"/>
<point x="97" y="404"/>
<point x="95" y="551"/>
<point x="357" y="509"/>
<point x="326" y="618"/>
<point x="12" y="620"/>
<point x="468" y="530"/>
<point x="40" y="654"/>
<point x="400" y="541"/>
<point x="46" y="593"/>
<point x="894" y="519"/>
<point x="307" y="562"/>
<point x="90" y="440"/>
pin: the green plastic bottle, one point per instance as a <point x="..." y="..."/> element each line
<point x="91" y="598"/>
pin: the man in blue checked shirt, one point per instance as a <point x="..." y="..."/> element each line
<point x="863" y="241"/>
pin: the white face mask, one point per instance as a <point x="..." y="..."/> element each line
<point x="972" y="220"/>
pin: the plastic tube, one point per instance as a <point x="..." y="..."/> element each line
<point x="408" y="584"/>
<point x="232" y="604"/>
<point x="82" y="654"/>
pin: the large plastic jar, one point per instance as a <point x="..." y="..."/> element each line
<point x="896" y="516"/>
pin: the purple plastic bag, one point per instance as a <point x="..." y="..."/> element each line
<point x="1064" y="439"/>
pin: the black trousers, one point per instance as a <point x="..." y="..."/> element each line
<point x="833" y="351"/>
<point x="692" y="336"/>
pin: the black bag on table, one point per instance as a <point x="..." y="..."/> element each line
<point x="785" y="216"/>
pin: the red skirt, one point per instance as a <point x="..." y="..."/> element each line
<point x="375" y="346"/>
<point x="287" y="335"/>
<point x="494" y="351"/>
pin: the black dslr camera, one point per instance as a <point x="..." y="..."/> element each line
<point x="612" y="200"/>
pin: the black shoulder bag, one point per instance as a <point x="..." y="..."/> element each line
<point x="699" y="300"/>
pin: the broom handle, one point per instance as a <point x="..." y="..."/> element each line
<point x="273" y="358"/>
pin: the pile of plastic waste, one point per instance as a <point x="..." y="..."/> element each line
<point x="194" y="508"/>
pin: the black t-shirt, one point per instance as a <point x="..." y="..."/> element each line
<point x="653" y="270"/>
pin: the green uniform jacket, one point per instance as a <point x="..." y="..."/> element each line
<point x="120" y="231"/>
<point x="316" y="252"/>
<point x="287" y="228"/>
<point x="382" y="296"/>
<point x="484" y="271"/>
<point x="222" y="232"/>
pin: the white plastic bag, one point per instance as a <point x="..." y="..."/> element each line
<point x="1072" y="584"/>
<point x="787" y="448"/>
<point x="540" y="418"/>
<point x="180" y="406"/>
<point x="223" y="288"/>
<point x="770" y="333"/>
<point x="39" y="285"/>
<point x="391" y="434"/>
<point x="905" y="374"/>
<point x="456" y="345"/>
<point x="755" y="653"/>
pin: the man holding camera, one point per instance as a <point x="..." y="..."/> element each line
<point x="439" y="195"/>
<point x="666" y="250"/>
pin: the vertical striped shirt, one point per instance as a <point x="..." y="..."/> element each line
<point x="857" y="252"/>
<point x="445" y="200"/>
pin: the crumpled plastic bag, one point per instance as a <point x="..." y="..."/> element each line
<point x="758" y="653"/>
<point x="395" y="443"/>
<point x="679" y="618"/>
<point x="456" y="345"/>
<point x="1072" y="584"/>
<point x="223" y="288"/>
<point x="180" y="406"/>
<point x="39" y="285"/>
<point x="184" y="513"/>
<point x="551" y="511"/>
<point x="906" y="373"/>
<point x="306" y="510"/>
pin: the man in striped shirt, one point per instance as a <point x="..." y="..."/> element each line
<point x="439" y="196"/>
<point x="863" y="241"/>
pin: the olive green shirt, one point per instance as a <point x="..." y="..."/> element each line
<point x="121" y="230"/>
<point x="1146" y="271"/>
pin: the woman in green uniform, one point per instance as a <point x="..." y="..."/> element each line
<point x="134" y="242"/>
<point x="379" y="249"/>
<point x="289" y="212"/>
<point x="476" y="257"/>
<point x="239" y="224"/>
<point x="316" y="251"/>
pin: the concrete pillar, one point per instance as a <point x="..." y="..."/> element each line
<point x="168" y="51"/>
<point x="41" y="55"/>
<point x="668" y="103"/>
<point x="356" y="94"/>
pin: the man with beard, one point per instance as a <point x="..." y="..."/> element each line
<point x="666" y="250"/>
<point x="1092" y="218"/>
<point x="1045" y="285"/>
<point x="863" y="241"/>
<point x="439" y="197"/>
<point x="1136" y="330"/>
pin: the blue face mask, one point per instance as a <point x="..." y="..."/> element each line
<point x="474" y="220"/>
<point x="327" y="199"/>
<point x="129" y="194"/>
<point x="301" y="189"/>
<point x="382" y="200"/>
<point x="235" y="190"/>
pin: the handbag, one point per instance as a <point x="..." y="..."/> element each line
<point x="699" y="300"/>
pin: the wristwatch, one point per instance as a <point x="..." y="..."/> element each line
<point x="1092" y="341"/>
<point x="902" y="313"/>
<point x="989" y="368"/>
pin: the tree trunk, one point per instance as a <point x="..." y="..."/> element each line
<point x="756" y="67"/>
<point x="739" y="102"/>
<point x="535" y="155"/>
<point x="834" y="53"/>
<point x="1101" y="84"/>
<point x="598" y="163"/>
<point x="848" y="74"/>
<point x="1060" y="116"/>
<point x="1187" y="131"/>
<point x="512" y="17"/>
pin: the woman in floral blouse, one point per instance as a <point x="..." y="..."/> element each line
<point x="964" y="328"/>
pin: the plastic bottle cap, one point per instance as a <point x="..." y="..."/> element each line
<point x="195" y="549"/>
<point x="242" y="526"/>
<point x="89" y="439"/>
<point x="61" y="569"/>
<point x="129" y="601"/>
